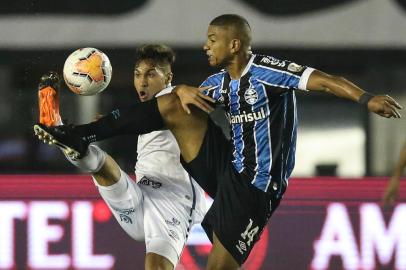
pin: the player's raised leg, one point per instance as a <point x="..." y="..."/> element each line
<point x="164" y="112"/>
<point x="123" y="196"/>
<point x="188" y="129"/>
<point x="113" y="184"/>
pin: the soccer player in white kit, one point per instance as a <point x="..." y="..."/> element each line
<point x="165" y="202"/>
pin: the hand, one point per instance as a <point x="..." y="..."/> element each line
<point x="391" y="192"/>
<point x="192" y="95"/>
<point x="384" y="106"/>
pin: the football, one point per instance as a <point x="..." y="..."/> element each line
<point x="87" y="71"/>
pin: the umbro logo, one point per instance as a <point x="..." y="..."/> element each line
<point x="241" y="247"/>
<point x="172" y="222"/>
<point x="126" y="219"/>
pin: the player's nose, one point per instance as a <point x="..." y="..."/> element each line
<point x="144" y="82"/>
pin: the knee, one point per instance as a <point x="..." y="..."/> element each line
<point x="157" y="262"/>
<point x="109" y="173"/>
<point x="221" y="265"/>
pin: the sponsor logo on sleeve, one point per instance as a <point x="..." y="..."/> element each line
<point x="273" y="61"/>
<point x="293" y="67"/>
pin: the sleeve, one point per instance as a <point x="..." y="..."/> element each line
<point x="215" y="81"/>
<point x="284" y="74"/>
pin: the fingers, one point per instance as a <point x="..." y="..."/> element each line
<point x="196" y="97"/>
<point x="186" y="108"/>
<point x="204" y="88"/>
<point x="386" y="106"/>
<point x="390" y="108"/>
<point x="206" y="98"/>
<point x="200" y="103"/>
<point x="203" y="105"/>
<point x="393" y="102"/>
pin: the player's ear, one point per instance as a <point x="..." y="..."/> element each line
<point x="169" y="77"/>
<point x="235" y="45"/>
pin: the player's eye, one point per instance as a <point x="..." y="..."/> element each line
<point x="151" y="75"/>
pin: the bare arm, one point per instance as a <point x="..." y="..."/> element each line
<point x="392" y="189"/>
<point x="382" y="105"/>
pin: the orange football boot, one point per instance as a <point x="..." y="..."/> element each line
<point x="48" y="99"/>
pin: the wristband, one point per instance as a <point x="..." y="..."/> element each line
<point x="365" y="98"/>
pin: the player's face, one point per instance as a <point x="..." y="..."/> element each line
<point x="149" y="80"/>
<point x="217" y="46"/>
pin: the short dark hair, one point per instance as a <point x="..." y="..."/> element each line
<point x="231" y="20"/>
<point x="240" y="25"/>
<point x="159" y="54"/>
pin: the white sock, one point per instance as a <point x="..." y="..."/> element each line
<point x="92" y="161"/>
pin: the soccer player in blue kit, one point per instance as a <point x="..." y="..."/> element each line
<point x="247" y="175"/>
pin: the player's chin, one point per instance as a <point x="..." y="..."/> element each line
<point x="213" y="63"/>
<point x="144" y="98"/>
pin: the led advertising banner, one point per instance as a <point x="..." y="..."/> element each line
<point x="60" y="222"/>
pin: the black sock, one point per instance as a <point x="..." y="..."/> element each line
<point x="137" y="119"/>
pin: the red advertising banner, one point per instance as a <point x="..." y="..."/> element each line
<point x="60" y="222"/>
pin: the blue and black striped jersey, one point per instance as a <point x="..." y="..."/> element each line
<point x="261" y="109"/>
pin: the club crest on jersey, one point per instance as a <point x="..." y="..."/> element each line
<point x="293" y="67"/>
<point x="251" y="96"/>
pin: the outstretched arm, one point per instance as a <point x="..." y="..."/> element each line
<point x="392" y="189"/>
<point x="382" y="105"/>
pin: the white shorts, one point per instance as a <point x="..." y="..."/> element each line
<point x="153" y="211"/>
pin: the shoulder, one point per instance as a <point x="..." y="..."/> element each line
<point x="215" y="78"/>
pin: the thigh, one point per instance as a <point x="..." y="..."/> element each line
<point x="188" y="129"/>
<point x="126" y="206"/>
<point x="213" y="159"/>
<point x="167" y="222"/>
<point x="220" y="258"/>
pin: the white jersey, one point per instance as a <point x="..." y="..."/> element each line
<point x="159" y="157"/>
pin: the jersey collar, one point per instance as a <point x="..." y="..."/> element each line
<point x="248" y="66"/>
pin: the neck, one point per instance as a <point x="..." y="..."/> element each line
<point x="237" y="65"/>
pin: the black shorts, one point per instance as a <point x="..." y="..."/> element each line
<point x="240" y="211"/>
